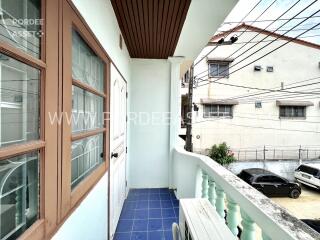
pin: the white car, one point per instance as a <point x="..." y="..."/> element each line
<point x="308" y="174"/>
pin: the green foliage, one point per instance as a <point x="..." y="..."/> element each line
<point x="222" y="154"/>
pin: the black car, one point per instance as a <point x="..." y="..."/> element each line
<point x="269" y="183"/>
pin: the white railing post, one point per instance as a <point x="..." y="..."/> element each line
<point x="204" y="190"/>
<point x="212" y="192"/>
<point x="232" y="216"/>
<point x="249" y="227"/>
<point x="220" y="201"/>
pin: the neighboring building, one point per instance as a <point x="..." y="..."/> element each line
<point x="244" y="117"/>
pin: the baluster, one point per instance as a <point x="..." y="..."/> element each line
<point x="220" y="201"/>
<point x="265" y="236"/>
<point x="212" y="192"/>
<point x="249" y="228"/>
<point x="204" y="184"/>
<point x="232" y="217"/>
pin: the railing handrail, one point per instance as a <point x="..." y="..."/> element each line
<point x="274" y="220"/>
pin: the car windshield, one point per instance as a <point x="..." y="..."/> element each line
<point x="309" y="170"/>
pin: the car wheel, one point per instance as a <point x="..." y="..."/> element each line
<point x="295" y="193"/>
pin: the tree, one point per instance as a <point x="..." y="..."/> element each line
<point x="222" y="154"/>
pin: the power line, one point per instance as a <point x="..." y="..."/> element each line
<point x="229" y="33"/>
<point x="256" y="88"/>
<point x="264" y="54"/>
<point x="298" y="86"/>
<point x="265" y="28"/>
<point x="274" y="39"/>
<point x="316" y="35"/>
<point x="267" y="128"/>
<point x="268" y="20"/>
<point x="274" y="30"/>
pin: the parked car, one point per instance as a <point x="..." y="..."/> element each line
<point x="308" y="174"/>
<point x="270" y="184"/>
<point x="313" y="223"/>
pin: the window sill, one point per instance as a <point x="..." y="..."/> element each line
<point x="292" y="118"/>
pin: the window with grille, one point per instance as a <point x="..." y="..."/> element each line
<point x="216" y="110"/>
<point x="292" y="111"/>
<point x="87" y="110"/>
<point x="219" y="69"/>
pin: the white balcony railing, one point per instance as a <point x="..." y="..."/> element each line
<point x="243" y="206"/>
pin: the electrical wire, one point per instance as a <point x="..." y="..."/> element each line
<point x="267" y="20"/>
<point x="229" y="33"/>
<point x="275" y="49"/>
<point x="284" y="34"/>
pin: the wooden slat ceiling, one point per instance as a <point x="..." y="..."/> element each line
<point x="151" y="28"/>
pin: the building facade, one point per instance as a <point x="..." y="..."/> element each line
<point x="270" y="107"/>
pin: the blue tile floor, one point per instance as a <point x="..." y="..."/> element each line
<point x="148" y="214"/>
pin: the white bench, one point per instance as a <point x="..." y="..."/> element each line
<point x="198" y="220"/>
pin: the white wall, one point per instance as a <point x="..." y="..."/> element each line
<point x="149" y="141"/>
<point x="292" y="63"/>
<point x="89" y="220"/>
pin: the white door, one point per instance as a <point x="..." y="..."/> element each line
<point x="118" y="144"/>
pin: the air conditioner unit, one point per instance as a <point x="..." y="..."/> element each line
<point x="198" y="220"/>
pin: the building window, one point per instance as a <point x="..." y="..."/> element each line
<point x="21" y="25"/>
<point x="219" y="69"/>
<point x="292" y="111"/>
<point x="87" y="109"/>
<point x="217" y="111"/>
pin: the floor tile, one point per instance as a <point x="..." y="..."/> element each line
<point x="141" y="214"/>
<point x="168" y="213"/>
<point x="125" y="226"/>
<point x="143" y="197"/>
<point x="148" y="214"/>
<point x="155" y="213"/>
<point x="127" y="214"/>
<point x="156" y="235"/>
<point x="165" y="196"/>
<point x="166" y="204"/>
<point x="154" y="204"/>
<point x="140" y="225"/>
<point x="142" y="205"/>
<point x="139" y="236"/>
<point x="167" y="223"/>
<point x="154" y="196"/>
<point x="122" y="236"/>
<point x="155" y="225"/>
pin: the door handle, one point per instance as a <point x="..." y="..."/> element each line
<point x="114" y="155"/>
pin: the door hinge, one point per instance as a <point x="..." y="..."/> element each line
<point x="126" y="149"/>
<point x="127" y="94"/>
<point x="126" y="118"/>
<point x="126" y="183"/>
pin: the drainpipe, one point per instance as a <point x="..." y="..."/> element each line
<point x="189" y="146"/>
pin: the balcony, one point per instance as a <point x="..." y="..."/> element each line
<point x="247" y="213"/>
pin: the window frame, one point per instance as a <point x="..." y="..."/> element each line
<point x="218" y="106"/>
<point x="218" y="63"/>
<point x="70" y="198"/>
<point x="48" y="93"/>
<point x="292" y="110"/>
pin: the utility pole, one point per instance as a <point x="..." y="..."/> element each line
<point x="189" y="146"/>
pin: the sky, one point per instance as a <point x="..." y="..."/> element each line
<point x="276" y="9"/>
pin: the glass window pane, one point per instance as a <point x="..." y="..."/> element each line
<point x="213" y="68"/>
<point x="19" y="194"/>
<point x="87" y="110"/>
<point x="87" y="67"/>
<point x="19" y="99"/>
<point x="223" y="70"/>
<point x="20" y="24"/>
<point x="87" y="155"/>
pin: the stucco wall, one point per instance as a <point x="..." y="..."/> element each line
<point x="149" y="139"/>
<point x="292" y="63"/>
